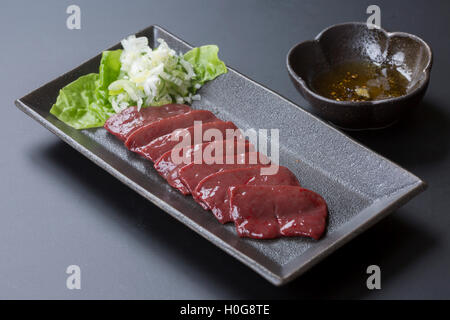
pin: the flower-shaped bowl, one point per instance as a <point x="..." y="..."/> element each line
<point x="353" y="42"/>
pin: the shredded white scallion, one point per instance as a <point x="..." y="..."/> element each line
<point x="152" y="77"/>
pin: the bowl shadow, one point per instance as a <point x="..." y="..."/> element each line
<point x="422" y="136"/>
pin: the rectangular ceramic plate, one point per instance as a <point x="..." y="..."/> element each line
<point x="359" y="186"/>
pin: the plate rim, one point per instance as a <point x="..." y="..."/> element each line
<point x="370" y="215"/>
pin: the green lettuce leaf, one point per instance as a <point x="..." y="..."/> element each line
<point x="109" y="72"/>
<point x="77" y="105"/>
<point x="84" y="103"/>
<point x="206" y="63"/>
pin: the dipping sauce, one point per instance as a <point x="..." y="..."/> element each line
<point x="360" y="81"/>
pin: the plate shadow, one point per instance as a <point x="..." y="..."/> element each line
<point x="341" y="275"/>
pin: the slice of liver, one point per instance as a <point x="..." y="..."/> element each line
<point x="192" y="174"/>
<point x="161" y="145"/>
<point x="266" y="212"/>
<point x="170" y="169"/>
<point x="212" y="191"/>
<point x="124" y="123"/>
<point x="149" y="132"/>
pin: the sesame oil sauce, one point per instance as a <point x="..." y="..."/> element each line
<point x="360" y="81"/>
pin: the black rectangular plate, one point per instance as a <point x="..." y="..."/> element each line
<point x="359" y="186"/>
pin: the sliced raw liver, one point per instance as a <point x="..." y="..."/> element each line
<point x="212" y="191"/>
<point x="124" y="123"/>
<point x="193" y="173"/>
<point x="266" y="212"/>
<point x="161" y="145"/>
<point x="149" y="132"/>
<point x="170" y="169"/>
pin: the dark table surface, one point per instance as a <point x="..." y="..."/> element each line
<point x="57" y="208"/>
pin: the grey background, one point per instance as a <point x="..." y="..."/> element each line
<point x="57" y="208"/>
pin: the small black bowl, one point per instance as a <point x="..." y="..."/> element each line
<point x="354" y="41"/>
